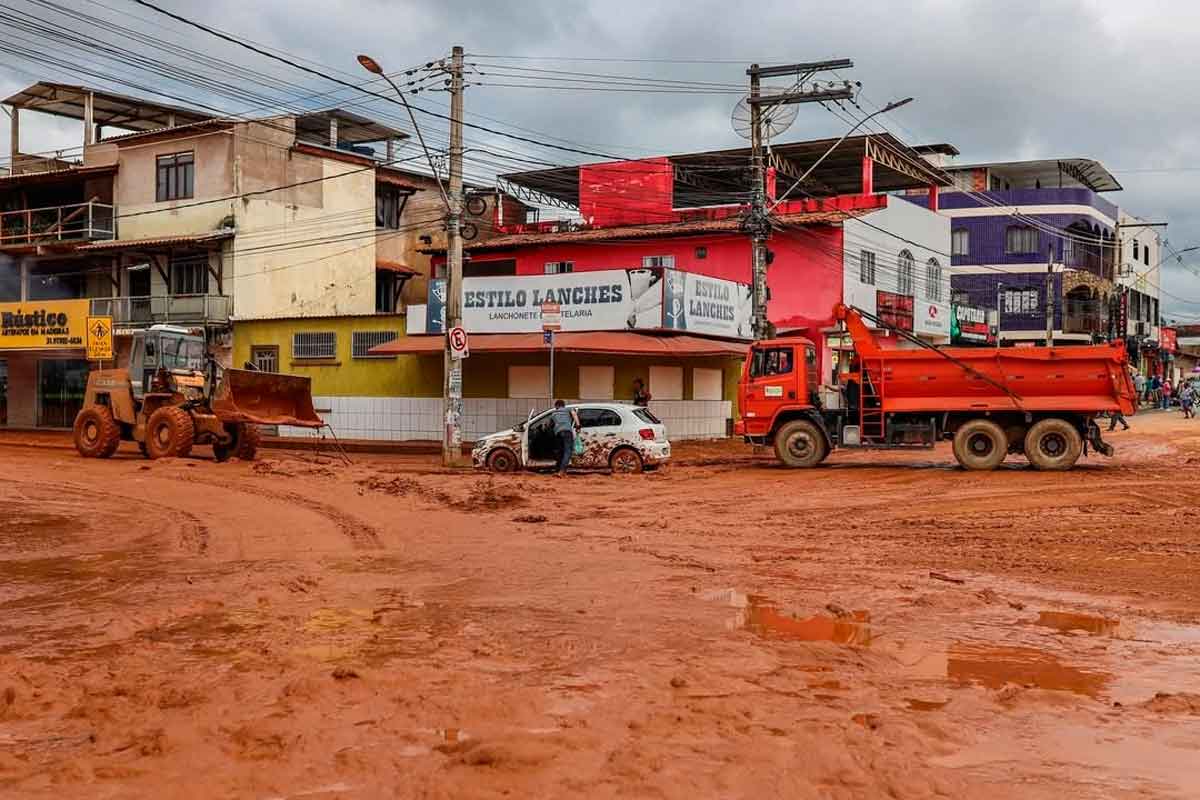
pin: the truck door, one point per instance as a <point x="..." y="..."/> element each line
<point x="772" y="381"/>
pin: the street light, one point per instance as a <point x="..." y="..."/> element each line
<point x="892" y="106"/>
<point x="372" y="66"/>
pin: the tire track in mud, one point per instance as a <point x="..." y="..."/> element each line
<point x="362" y="535"/>
<point x="193" y="536"/>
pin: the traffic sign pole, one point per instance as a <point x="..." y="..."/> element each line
<point x="551" y="322"/>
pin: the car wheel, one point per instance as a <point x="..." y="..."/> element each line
<point x="502" y="460"/>
<point x="625" y="461"/>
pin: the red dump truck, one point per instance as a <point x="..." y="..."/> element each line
<point x="1040" y="402"/>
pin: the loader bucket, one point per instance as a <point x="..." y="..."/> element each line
<point x="265" y="398"/>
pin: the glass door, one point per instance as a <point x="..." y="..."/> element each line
<point x="61" y="386"/>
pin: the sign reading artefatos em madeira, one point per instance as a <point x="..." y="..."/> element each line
<point x="43" y="325"/>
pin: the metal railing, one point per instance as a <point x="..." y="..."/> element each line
<point x="72" y="223"/>
<point x="184" y="308"/>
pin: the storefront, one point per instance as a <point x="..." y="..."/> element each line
<point x="43" y="369"/>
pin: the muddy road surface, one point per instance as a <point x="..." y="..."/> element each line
<point x="884" y="626"/>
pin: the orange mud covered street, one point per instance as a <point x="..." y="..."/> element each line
<point x="884" y="626"/>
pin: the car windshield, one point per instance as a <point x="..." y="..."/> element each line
<point x="645" y="416"/>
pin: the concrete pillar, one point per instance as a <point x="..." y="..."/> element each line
<point x="933" y="197"/>
<point x="89" y="113"/>
<point x="868" y="175"/>
<point x="391" y="150"/>
<point x="333" y="132"/>
<point x="15" y="144"/>
<point x="24" y="280"/>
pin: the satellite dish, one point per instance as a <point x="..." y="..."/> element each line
<point x="775" y="119"/>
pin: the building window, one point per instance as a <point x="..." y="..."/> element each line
<point x="386" y="284"/>
<point x="176" y="175"/>
<point x="189" y="274"/>
<point x="933" y="280"/>
<point x="866" y="267"/>
<point x="960" y="298"/>
<point x="361" y="342"/>
<point x="650" y="262"/>
<point x="701" y="252"/>
<point x="314" y="345"/>
<point x="389" y="205"/>
<point x="1135" y="249"/>
<point x="1146" y="256"/>
<point x="559" y="267"/>
<point x="960" y="242"/>
<point x="1019" y="240"/>
<point x="904" y="278"/>
<point x="264" y="358"/>
<point x="1020" y="301"/>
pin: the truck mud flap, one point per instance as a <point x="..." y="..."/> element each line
<point x="1098" y="444"/>
<point x="265" y="398"/>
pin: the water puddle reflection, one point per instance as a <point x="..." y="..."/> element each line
<point x="1070" y="622"/>
<point x="763" y="618"/>
<point x="994" y="666"/>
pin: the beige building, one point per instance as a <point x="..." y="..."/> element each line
<point x="293" y="241"/>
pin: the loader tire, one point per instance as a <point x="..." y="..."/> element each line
<point x="800" y="444"/>
<point x="169" y="433"/>
<point x="97" y="434"/>
<point x="248" y="441"/>
<point x="980" y="444"/>
<point x="1053" y="445"/>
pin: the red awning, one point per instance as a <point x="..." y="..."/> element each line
<point x="601" y="342"/>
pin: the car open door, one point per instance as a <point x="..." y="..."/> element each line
<point x="525" y="439"/>
<point x="599" y="429"/>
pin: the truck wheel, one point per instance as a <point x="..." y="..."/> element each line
<point x="1053" y="444"/>
<point x="248" y="441"/>
<point x="980" y="444"/>
<point x="169" y="433"/>
<point x="502" y="460"/>
<point x="800" y="443"/>
<point x="97" y="434"/>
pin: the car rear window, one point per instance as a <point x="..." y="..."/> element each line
<point x="645" y="416"/>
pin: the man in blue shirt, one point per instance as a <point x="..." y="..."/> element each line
<point x="566" y="423"/>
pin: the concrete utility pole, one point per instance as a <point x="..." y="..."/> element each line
<point x="452" y="445"/>
<point x="1050" y="295"/>
<point x="757" y="222"/>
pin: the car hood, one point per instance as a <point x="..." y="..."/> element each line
<point x="506" y="436"/>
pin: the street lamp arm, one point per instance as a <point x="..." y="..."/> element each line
<point x="889" y="107"/>
<point x="372" y="66"/>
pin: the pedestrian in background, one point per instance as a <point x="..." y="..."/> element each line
<point x="1187" y="400"/>
<point x="566" y="423"/>
<point x="641" y="395"/>
<point x="1139" y="385"/>
<point x="1154" y="390"/>
<point x="1114" y="417"/>
<point x="1166" y="394"/>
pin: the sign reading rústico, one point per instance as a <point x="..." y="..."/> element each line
<point x="45" y="325"/>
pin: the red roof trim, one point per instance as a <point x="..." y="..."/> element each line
<point x="603" y="342"/>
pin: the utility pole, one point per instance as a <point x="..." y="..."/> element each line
<point x="999" y="310"/>
<point x="1050" y="295"/>
<point x="452" y="391"/>
<point x="757" y="222"/>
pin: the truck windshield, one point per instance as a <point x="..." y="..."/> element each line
<point x="769" y="361"/>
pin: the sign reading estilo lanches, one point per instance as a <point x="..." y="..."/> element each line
<point x="43" y="325"/>
<point x="601" y="300"/>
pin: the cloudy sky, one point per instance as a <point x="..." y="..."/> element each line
<point x="1007" y="80"/>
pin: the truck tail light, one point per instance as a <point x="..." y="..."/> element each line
<point x="646" y="433"/>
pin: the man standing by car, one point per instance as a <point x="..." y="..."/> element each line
<point x="641" y="397"/>
<point x="566" y="423"/>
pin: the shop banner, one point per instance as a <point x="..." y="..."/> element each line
<point x="43" y="325"/>
<point x="931" y="318"/>
<point x="894" y="309"/>
<point x="972" y="324"/>
<point x="701" y="304"/>
<point x="1168" y="340"/>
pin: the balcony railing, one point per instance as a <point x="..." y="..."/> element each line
<point x="82" y="222"/>
<point x="188" y="309"/>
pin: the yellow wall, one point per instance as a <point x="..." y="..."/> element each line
<point x="402" y="376"/>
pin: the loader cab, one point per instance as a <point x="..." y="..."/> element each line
<point x="176" y="350"/>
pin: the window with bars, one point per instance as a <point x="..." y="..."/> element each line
<point x="904" y="277"/>
<point x="1020" y="301"/>
<point x="314" y="344"/>
<point x="361" y="342"/>
<point x="1020" y="240"/>
<point x="960" y="242"/>
<point x="175" y="176"/>
<point x="933" y="280"/>
<point x="866" y="267"/>
<point x="265" y="358"/>
<point x="385" y="292"/>
<point x="559" y="267"/>
<point x="189" y="274"/>
<point x="650" y="262"/>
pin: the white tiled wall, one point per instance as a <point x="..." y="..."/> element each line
<point x="400" y="419"/>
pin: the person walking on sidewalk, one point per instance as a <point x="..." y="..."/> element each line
<point x="566" y="423"/>
<point x="1139" y="385"/>
<point x="1187" y="400"/>
<point x="1154" y="391"/>
<point x="1166" y="394"/>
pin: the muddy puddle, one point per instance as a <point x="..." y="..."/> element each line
<point x="764" y="618"/>
<point x="1071" y="622"/>
<point x="995" y="666"/>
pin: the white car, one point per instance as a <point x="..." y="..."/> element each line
<point x="623" y="438"/>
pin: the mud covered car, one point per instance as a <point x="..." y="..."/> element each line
<point x="621" y="437"/>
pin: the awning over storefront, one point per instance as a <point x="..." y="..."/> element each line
<point x="382" y="265"/>
<point x="599" y="342"/>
